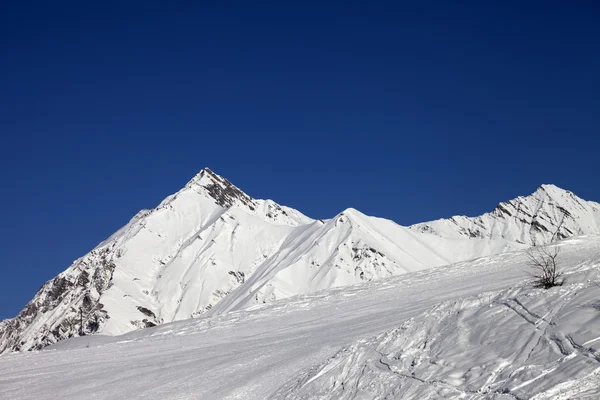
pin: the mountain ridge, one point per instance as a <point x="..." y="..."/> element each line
<point x="528" y="210"/>
<point x="210" y="248"/>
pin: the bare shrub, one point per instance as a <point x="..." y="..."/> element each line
<point x="544" y="264"/>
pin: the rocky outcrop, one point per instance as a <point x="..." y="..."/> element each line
<point x="548" y="215"/>
<point x="70" y="302"/>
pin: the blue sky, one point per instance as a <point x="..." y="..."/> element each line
<point x="402" y="110"/>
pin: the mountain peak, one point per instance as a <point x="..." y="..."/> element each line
<point x="211" y="242"/>
<point x="545" y="216"/>
<point x="562" y="198"/>
<point x="551" y="190"/>
<point x="220" y="189"/>
<point x="206" y="175"/>
<point x="351" y="211"/>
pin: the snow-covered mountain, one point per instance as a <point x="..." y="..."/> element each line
<point x="211" y="248"/>
<point x="547" y="215"/>
<point x="472" y="330"/>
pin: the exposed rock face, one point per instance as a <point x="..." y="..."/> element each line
<point x="221" y="190"/>
<point x="69" y="304"/>
<point x="83" y="299"/>
<point x="210" y="248"/>
<point x="547" y="215"/>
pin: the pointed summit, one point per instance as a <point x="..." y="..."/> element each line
<point x="349" y="215"/>
<point x="205" y="176"/>
<point x="563" y="199"/>
<point x="552" y="191"/>
<point x="545" y="216"/>
<point x="220" y="189"/>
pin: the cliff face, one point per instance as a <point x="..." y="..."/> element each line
<point x="66" y="306"/>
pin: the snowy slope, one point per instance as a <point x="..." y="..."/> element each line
<point x="459" y="323"/>
<point x="210" y="248"/>
<point x="169" y="263"/>
<point x="549" y="214"/>
<point x="513" y="344"/>
<point x="348" y="249"/>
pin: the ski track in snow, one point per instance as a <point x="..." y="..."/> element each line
<point x="265" y="350"/>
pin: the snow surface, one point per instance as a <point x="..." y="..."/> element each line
<point x="549" y="214"/>
<point x="211" y="249"/>
<point x="512" y="344"/>
<point x="472" y="330"/>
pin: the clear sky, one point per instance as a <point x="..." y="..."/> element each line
<point x="406" y="110"/>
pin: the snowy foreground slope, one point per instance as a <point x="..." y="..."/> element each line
<point x="512" y="344"/>
<point x="473" y="330"/>
<point x="210" y="248"/>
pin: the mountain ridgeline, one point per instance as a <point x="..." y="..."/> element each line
<point x="210" y="248"/>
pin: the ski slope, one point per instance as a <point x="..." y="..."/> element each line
<point x="210" y="249"/>
<point x="292" y="348"/>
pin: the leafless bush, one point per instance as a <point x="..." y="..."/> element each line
<point x="544" y="264"/>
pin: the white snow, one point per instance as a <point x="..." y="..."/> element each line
<point x="470" y="330"/>
<point x="210" y="249"/>
<point x="514" y="343"/>
<point x="549" y="214"/>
